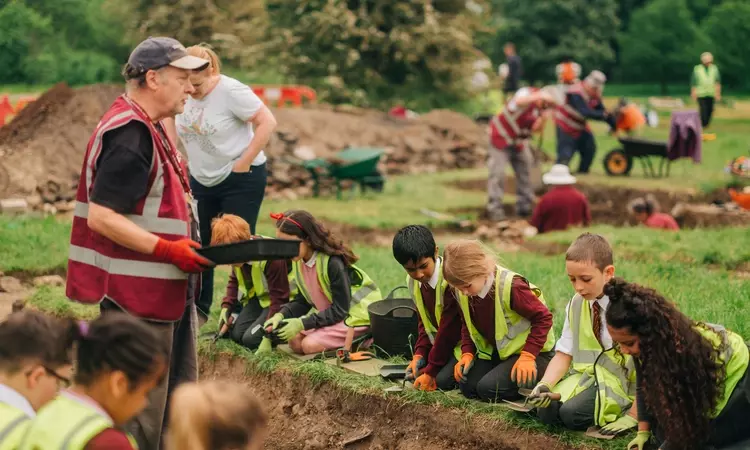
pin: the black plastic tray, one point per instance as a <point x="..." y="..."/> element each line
<point x="251" y="250"/>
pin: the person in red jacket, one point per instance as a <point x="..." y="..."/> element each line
<point x="563" y="205"/>
<point x="438" y="320"/>
<point x="646" y="211"/>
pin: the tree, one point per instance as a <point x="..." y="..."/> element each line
<point x="662" y="44"/>
<point x="729" y="25"/>
<point x="377" y="52"/>
<point x="23" y="32"/>
<point x="544" y="32"/>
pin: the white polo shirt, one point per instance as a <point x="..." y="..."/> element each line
<point x="11" y="397"/>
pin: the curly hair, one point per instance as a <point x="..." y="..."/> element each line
<point x="302" y="224"/>
<point x="681" y="377"/>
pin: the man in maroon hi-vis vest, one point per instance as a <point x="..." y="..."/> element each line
<point x="583" y="101"/>
<point x="509" y="143"/>
<point x="131" y="246"/>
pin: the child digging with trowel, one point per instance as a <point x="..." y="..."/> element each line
<point x="256" y="290"/>
<point x="439" y="323"/>
<point x="601" y="386"/>
<point x="330" y="309"/>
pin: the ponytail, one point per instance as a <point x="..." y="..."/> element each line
<point x="119" y="342"/>
<point x="303" y="225"/>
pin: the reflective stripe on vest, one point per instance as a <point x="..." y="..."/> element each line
<point x="66" y="424"/>
<point x="430" y="328"/>
<point x="613" y="372"/>
<point x="259" y="288"/>
<point x="734" y="356"/>
<point x="706" y="79"/>
<point x="511" y="329"/>
<point x="362" y="295"/>
<point x="567" y="117"/>
<point x="13" y="423"/>
<point x="99" y="268"/>
<point x="512" y="126"/>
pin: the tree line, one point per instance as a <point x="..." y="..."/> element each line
<point x="377" y="52"/>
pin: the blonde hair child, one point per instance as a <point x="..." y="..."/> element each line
<point x="216" y="415"/>
<point x="495" y="362"/>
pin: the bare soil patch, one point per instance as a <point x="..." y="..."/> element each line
<point x="303" y="416"/>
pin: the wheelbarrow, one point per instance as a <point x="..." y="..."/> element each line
<point x="620" y="161"/>
<point x="358" y="164"/>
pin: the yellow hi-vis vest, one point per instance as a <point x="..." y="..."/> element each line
<point x="363" y="289"/>
<point x="13" y="425"/>
<point x="612" y="373"/>
<point x="511" y="329"/>
<point x="735" y="357"/>
<point x="705" y="80"/>
<point x="66" y="424"/>
<point x="429" y="327"/>
<point x="259" y="287"/>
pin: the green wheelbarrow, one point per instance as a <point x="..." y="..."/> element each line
<point x="358" y="164"/>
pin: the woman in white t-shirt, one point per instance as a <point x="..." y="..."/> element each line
<point x="223" y="128"/>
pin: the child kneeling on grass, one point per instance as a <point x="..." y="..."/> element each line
<point x="601" y="385"/>
<point x="256" y="290"/>
<point x="216" y="415"/>
<point x="439" y="322"/>
<point x="331" y="288"/>
<point x="36" y="352"/>
<point x="119" y="360"/>
<point x="506" y="334"/>
<point x="692" y="380"/>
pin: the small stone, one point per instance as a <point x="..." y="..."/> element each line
<point x="49" y="280"/>
<point x="49" y="209"/>
<point x="14" y="206"/>
<point x="10" y="285"/>
<point x="63" y="206"/>
<point x="296" y="410"/>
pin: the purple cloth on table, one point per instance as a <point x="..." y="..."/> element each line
<point x="685" y="136"/>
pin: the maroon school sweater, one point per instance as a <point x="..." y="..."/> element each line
<point x="560" y="208"/>
<point x="522" y="301"/>
<point x="448" y="334"/>
<point x="277" y="276"/>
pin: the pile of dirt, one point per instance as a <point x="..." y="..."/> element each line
<point x="43" y="146"/>
<point x="307" y="417"/>
<point x="439" y="140"/>
<point x="41" y="150"/>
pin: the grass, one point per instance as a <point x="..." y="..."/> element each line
<point x="33" y="244"/>
<point x="728" y="248"/>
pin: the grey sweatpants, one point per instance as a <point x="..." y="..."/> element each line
<point x="521" y="162"/>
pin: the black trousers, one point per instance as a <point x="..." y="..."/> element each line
<point x="567" y="146"/>
<point x="706" y="108"/>
<point x="730" y="430"/>
<point x="248" y="327"/>
<point x="240" y="194"/>
<point x="489" y="380"/>
<point x="575" y="414"/>
<point x="444" y="379"/>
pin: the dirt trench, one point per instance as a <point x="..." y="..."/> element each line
<point x="305" y="417"/>
<point x="609" y="204"/>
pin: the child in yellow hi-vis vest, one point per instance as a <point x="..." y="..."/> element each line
<point x="333" y="293"/>
<point x="692" y="381"/>
<point x="506" y="334"/>
<point x="256" y="290"/>
<point x="119" y="360"/>
<point x="601" y="387"/>
<point x="36" y="352"/>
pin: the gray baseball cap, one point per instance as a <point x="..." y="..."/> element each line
<point x="156" y="52"/>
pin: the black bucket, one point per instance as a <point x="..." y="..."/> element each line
<point x="393" y="323"/>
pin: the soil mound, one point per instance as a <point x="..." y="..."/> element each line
<point x="42" y="148"/>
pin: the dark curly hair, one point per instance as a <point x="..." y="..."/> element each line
<point x="681" y="377"/>
<point x="302" y="224"/>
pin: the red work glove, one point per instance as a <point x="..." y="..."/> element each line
<point x="523" y="372"/>
<point x="181" y="254"/>
<point x="425" y="383"/>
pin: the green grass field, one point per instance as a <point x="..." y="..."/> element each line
<point x="704" y="271"/>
